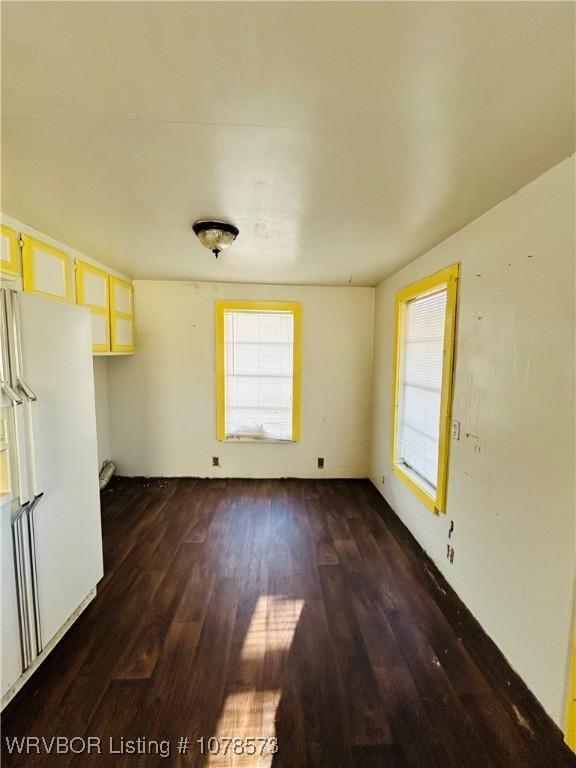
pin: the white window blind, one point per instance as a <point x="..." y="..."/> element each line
<point x="422" y="345"/>
<point x="259" y="369"/>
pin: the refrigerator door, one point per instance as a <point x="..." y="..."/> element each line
<point x="16" y="615"/>
<point x="56" y="352"/>
<point x="13" y="653"/>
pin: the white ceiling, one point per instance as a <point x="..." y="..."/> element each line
<point x="344" y="139"/>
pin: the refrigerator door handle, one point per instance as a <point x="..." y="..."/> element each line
<point x="21" y="589"/>
<point x="21" y="473"/>
<point x="22" y="536"/>
<point x="8" y="383"/>
<point x="27" y="391"/>
<point x="33" y="569"/>
<point x="13" y="316"/>
<point x="10" y="393"/>
<point x="5" y="384"/>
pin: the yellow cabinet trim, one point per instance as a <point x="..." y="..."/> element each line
<point x="115" y="314"/>
<point x="81" y="267"/>
<point x="12" y="266"/>
<point x="29" y="279"/>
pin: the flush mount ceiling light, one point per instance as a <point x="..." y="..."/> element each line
<point x="215" y="235"/>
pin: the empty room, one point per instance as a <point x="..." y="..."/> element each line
<point x="287" y="419"/>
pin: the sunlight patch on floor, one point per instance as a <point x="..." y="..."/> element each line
<point x="248" y="717"/>
<point x="272" y="626"/>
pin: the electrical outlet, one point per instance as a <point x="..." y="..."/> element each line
<point x="215" y="461"/>
<point x="320" y="462"/>
<point x="455" y="430"/>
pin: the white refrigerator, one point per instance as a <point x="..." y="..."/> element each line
<point x="51" y="538"/>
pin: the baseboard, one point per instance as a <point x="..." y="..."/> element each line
<point x="321" y="475"/>
<point x="526" y="709"/>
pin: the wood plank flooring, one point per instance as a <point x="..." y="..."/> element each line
<point x="289" y="609"/>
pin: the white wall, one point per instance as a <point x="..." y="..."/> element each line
<point x="162" y="400"/>
<point x="511" y="475"/>
<point x="102" y="408"/>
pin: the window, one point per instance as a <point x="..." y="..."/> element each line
<point x="424" y="341"/>
<point x="258" y="370"/>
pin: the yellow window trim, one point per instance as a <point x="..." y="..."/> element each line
<point x="28" y="279"/>
<point x="81" y="267"/>
<point x="448" y="276"/>
<point x="258" y="306"/>
<point x="115" y="314"/>
<point x="11" y="267"/>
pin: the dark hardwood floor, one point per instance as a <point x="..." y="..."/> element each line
<point x="288" y="609"/>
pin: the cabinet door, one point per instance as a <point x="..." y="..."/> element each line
<point x="9" y="256"/>
<point x="121" y="315"/>
<point x="92" y="291"/>
<point x="46" y="270"/>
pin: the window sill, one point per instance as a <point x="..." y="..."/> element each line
<point x="416" y="485"/>
<point x="257" y="440"/>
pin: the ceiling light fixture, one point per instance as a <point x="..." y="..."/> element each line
<point x="215" y="235"/>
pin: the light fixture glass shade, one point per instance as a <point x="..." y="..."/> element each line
<point x="215" y="235"/>
<point x="215" y="238"/>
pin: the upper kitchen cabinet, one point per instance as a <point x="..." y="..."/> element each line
<point x="46" y="270"/>
<point x="93" y="291"/>
<point x="9" y="252"/>
<point x="121" y="315"/>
